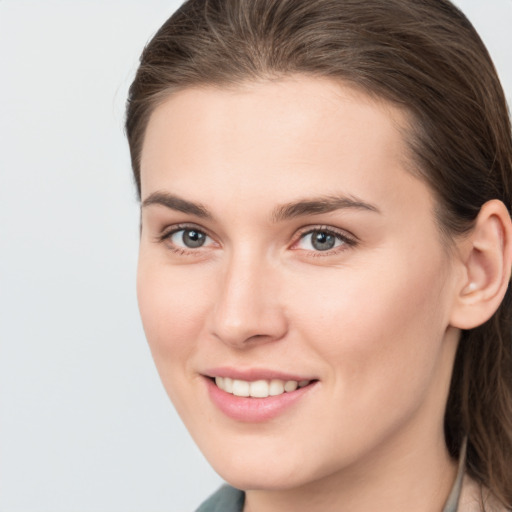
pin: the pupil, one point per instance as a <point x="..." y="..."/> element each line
<point x="193" y="238"/>
<point x="322" y="241"/>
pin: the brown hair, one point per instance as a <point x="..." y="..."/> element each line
<point x="423" y="55"/>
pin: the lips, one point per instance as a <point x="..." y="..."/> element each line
<point x="255" y="395"/>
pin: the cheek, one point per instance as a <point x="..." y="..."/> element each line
<point x="382" y="323"/>
<point x="172" y="308"/>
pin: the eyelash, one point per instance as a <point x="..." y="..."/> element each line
<point x="347" y="240"/>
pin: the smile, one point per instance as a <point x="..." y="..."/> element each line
<point x="258" y="388"/>
<point x="260" y="396"/>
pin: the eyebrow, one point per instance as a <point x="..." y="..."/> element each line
<point x="316" y="206"/>
<point x="177" y="203"/>
<point x="302" y="207"/>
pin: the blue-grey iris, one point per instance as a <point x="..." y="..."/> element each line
<point x="322" y="241"/>
<point x="192" y="238"/>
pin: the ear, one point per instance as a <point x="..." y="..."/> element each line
<point x="486" y="256"/>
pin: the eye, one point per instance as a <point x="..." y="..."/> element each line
<point x="188" y="238"/>
<point x="323" y="240"/>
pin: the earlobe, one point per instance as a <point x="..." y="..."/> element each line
<point x="487" y="260"/>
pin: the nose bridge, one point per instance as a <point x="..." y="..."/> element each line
<point x="247" y="304"/>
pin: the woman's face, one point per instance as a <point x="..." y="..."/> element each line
<point x="285" y="244"/>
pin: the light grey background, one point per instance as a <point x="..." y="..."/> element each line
<point x="84" y="423"/>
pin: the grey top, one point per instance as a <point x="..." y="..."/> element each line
<point x="226" y="499"/>
<point x="229" y="499"/>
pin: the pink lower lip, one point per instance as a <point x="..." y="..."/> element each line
<point x="254" y="410"/>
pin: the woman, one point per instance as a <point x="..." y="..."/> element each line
<point x="325" y="251"/>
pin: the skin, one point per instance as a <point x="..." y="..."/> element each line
<point x="370" y="319"/>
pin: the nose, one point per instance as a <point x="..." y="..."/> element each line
<point x="247" y="309"/>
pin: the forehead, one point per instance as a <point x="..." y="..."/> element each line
<point x="274" y="138"/>
<point x="299" y="104"/>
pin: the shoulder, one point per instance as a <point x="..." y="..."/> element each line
<point x="226" y="499"/>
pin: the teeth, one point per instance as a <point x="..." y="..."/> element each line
<point x="291" y="385"/>
<point x="276" y="387"/>
<point x="258" y="388"/>
<point x="241" y="388"/>
<point x="228" y="385"/>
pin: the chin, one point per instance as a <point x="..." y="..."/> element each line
<point x="261" y="477"/>
<point x="274" y="468"/>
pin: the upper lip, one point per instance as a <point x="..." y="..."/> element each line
<point x="253" y="374"/>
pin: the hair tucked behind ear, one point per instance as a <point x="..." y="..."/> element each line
<point x="423" y="55"/>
